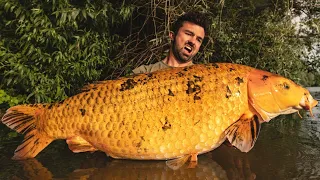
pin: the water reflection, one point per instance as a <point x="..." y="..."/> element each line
<point x="287" y="148"/>
<point x="224" y="163"/>
<point x="130" y="170"/>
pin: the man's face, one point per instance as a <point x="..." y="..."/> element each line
<point x="187" y="42"/>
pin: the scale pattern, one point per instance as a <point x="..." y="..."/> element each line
<point x="162" y="115"/>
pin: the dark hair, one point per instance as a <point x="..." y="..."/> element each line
<point x="197" y="18"/>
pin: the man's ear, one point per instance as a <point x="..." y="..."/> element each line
<point x="171" y="35"/>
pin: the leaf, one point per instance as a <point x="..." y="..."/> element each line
<point x="75" y="13"/>
<point x="12" y="135"/>
<point x="90" y="14"/>
<point x="63" y="18"/>
<point x="17" y="12"/>
<point x="12" y="8"/>
<point x="7" y="6"/>
<point x="84" y="14"/>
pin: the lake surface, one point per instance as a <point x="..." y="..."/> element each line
<point x="288" y="147"/>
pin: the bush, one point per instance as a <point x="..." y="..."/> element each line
<point x="49" y="49"/>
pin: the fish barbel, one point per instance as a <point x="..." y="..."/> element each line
<point x="175" y="114"/>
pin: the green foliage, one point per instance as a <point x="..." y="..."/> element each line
<point x="7" y="99"/>
<point x="265" y="42"/>
<point x="49" y="49"/>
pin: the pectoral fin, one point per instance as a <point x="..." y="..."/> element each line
<point x="179" y="162"/>
<point x="244" y="133"/>
<point x="78" y="144"/>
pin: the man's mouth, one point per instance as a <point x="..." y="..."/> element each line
<point x="188" y="48"/>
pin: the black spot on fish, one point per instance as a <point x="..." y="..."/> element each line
<point x="170" y="92"/>
<point x="61" y="102"/>
<point x="50" y="106"/>
<point x="83" y="112"/>
<point x="139" y="144"/>
<point x="180" y="74"/>
<point x="231" y="69"/>
<point x="166" y="125"/>
<point x="197" y="78"/>
<point x="195" y="97"/>
<point x="129" y="84"/>
<point x="265" y="77"/>
<point x="239" y="80"/>
<point x="192" y="87"/>
<point x="229" y="93"/>
<point x="215" y="65"/>
<point x="150" y="75"/>
<point x="185" y="69"/>
<point x="286" y="85"/>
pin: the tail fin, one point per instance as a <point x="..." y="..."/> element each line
<point x="25" y="119"/>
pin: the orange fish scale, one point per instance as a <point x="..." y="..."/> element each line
<point x="154" y="116"/>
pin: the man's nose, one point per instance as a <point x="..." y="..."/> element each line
<point x="191" y="42"/>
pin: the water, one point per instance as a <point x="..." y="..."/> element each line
<point x="287" y="148"/>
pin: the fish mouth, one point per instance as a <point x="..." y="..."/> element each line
<point x="307" y="103"/>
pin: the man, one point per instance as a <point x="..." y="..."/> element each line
<point x="187" y="35"/>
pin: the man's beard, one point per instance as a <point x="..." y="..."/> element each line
<point x="177" y="53"/>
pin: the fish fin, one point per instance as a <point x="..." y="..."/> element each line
<point x="244" y="133"/>
<point x="25" y="119"/>
<point x="177" y="163"/>
<point x="78" y="144"/>
<point x="193" y="160"/>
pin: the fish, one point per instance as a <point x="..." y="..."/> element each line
<point x="174" y="114"/>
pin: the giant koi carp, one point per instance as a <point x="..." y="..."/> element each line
<point x="174" y="114"/>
